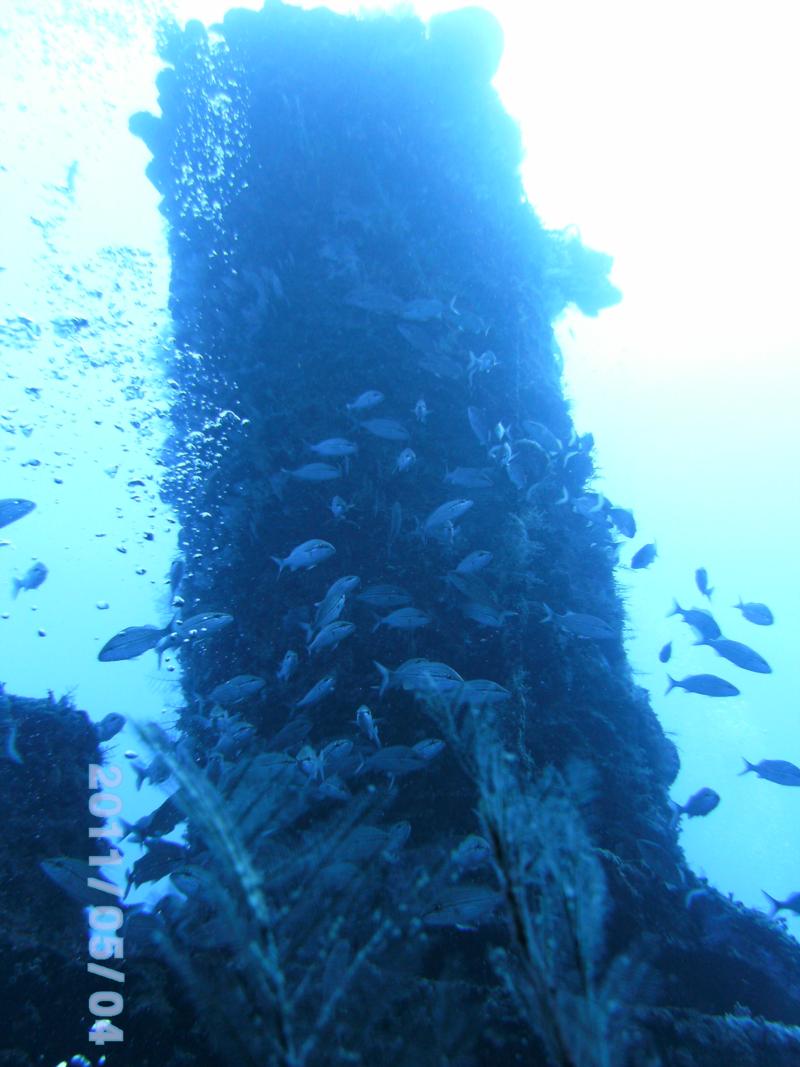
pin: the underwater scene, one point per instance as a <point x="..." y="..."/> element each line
<point x="399" y="592"/>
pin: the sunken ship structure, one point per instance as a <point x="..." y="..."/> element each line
<point x="442" y="834"/>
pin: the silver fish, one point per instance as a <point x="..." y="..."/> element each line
<point x="387" y="429"/>
<point x="394" y="760"/>
<point x="329" y="611"/>
<point x="237" y="688"/>
<point x="698" y="618"/>
<point x="405" y="461"/>
<point x="430" y="748"/>
<point x="324" y="687"/>
<point x="286" y="669"/>
<point x="419" y="676"/>
<point x="462" y="906"/>
<point x="756" y="613"/>
<point x="422" y="310"/>
<point x="331" y="635"/>
<point x="472" y="852"/>
<point x="404" y="619"/>
<point x="384" y="596"/>
<point x="316" y="472"/>
<point x="486" y="615"/>
<point x="373" y="298"/>
<point x="421" y="410"/>
<point x="367" y="725"/>
<point x="474" y="562"/>
<point x="588" y="626"/>
<point x="481" y="692"/>
<point x="370" y="399"/>
<point x="132" y="642"/>
<point x="334" y="446"/>
<point x="339" y="509"/>
<point x="307" y="555"/>
<point x="779" y="771"/>
<point x="735" y="652"/>
<point x="13" y="508"/>
<point x="345" y="584"/>
<point x="708" y="685"/>
<point x="480" y="425"/>
<point x="31" y="579"/>
<point x="470" y="477"/>
<point x="446" y="513"/>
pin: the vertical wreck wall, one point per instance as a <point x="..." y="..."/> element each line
<point x="345" y="214"/>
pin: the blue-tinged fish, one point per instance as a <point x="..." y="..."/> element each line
<point x="486" y="615"/>
<point x="287" y="666"/>
<point x="701" y="580"/>
<point x="237" y="689"/>
<point x="13" y="508"/>
<point x="387" y="429"/>
<point x="395" y="760"/>
<point x="370" y="399"/>
<point x="430" y="748"/>
<point x="109" y="726"/>
<point x="405" y="461"/>
<point x="330" y="636"/>
<point x="581" y="625"/>
<point x="666" y="652"/>
<point x="446" y="514"/>
<point x="470" y="477"/>
<point x="643" y="557"/>
<point x="774" y="770"/>
<point x="756" y="613"/>
<point x="481" y="693"/>
<point x="324" y="687"/>
<point x="419" y="676"/>
<point x="305" y="556"/>
<point x="132" y="642"/>
<point x="422" y="310"/>
<point x="334" y="447"/>
<point x="31" y="579"/>
<point x="479" y="425"/>
<point x="736" y="652"/>
<point x="699" y="804"/>
<point x="367" y="725"/>
<point x="473" y="851"/>
<point x="86" y="885"/>
<point x="474" y="562"/>
<point x="384" y="596"/>
<point x="316" y="472"/>
<point x="462" y="906"/>
<point x="792" y="903"/>
<point x="698" y="618"/>
<point x="623" y="520"/>
<point x="707" y="685"/>
<point x="195" y="628"/>
<point x="421" y="411"/>
<point x="404" y="619"/>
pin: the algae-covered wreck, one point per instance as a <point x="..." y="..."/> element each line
<point x="438" y="831"/>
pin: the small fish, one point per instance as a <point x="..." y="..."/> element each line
<point x="370" y="399"/>
<point x="132" y="642"/>
<point x="472" y="852"/>
<point x="195" y="628"/>
<point x="643" y="557"/>
<point x="430" y="748"/>
<point x="373" y="298"/>
<point x="109" y="726"/>
<point x="698" y="618"/>
<point x="480" y="425"/>
<point x="486" y="615"/>
<point x="307" y="555"/>
<point x="701" y="581"/>
<point x="161" y="858"/>
<point x="445" y="514"/>
<point x="474" y="562"/>
<point x="774" y="770"/>
<point x="581" y="625"/>
<point x="756" y="613"/>
<point x="405" y="461"/>
<point x="286" y="669"/>
<point x="404" y="619"/>
<point x="736" y="652"/>
<point x="623" y="520"/>
<point x="792" y="903"/>
<point x="665" y="653"/>
<point x="387" y="429"/>
<point x="31" y="579"/>
<point x="77" y="879"/>
<point x="470" y="477"/>
<point x="156" y="771"/>
<point x="542" y="436"/>
<point x="419" y="676"/>
<point x="481" y="364"/>
<point x="339" y="509"/>
<point x="700" y="803"/>
<point x="176" y="572"/>
<point x="463" y="906"/>
<point x="236" y="689"/>
<point x="707" y="685"/>
<point x="315" y="472"/>
<point x="324" y="687"/>
<point x="329" y="611"/>
<point x="367" y="725"/>
<point x="395" y="760"/>
<point x="481" y="693"/>
<point x="421" y="410"/>
<point x="330" y="636"/>
<point x="334" y="447"/>
<point x="384" y="596"/>
<point x="345" y="584"/>
<point x="13" y="508"/>
<point x="422" y="310"/>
